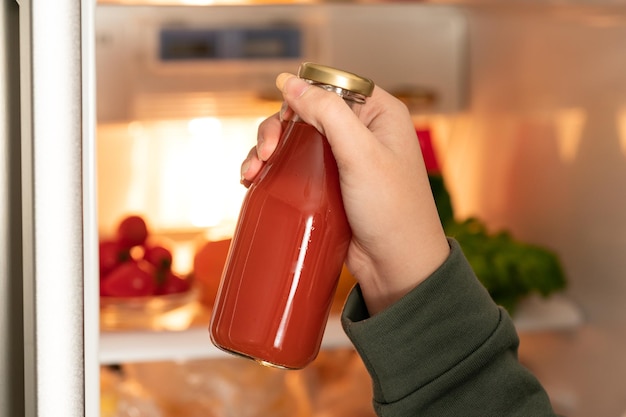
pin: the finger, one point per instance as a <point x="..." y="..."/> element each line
<point x="268" y="135"/>
<point x="250" y="167"/>
<point x="327" y="112"/>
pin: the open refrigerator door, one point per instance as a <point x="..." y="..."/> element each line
<point x="56" y="222"/>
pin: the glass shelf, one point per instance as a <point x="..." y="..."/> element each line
<point x="165" y="343"/>
<point x="192" y="343"/>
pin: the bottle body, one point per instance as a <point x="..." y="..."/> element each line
<point x="289" y="245"/>
<point x="285" y="257"/>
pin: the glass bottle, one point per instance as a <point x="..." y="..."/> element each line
<point x="289" y="244"/>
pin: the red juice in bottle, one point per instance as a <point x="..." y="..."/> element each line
<point x="287" y="251"/>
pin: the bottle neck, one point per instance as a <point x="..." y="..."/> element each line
<point x="347" y="95"/>
<point x="352" y="99"/>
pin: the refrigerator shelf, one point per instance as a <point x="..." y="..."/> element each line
<point x="193" y="343"/>
<point x="558" y="312"/>
<point x="534" y="314"/>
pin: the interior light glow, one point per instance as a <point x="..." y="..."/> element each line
<point x="183" y="175"/>
<point x="207" y="153"/>
<point x="569" y="124"/>
<point x="138" y="167"/>
<point x="460" y="151"/>
<point x="204" y="126"/>
<point x="621" y="129"/>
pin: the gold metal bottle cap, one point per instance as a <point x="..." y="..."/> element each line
<point x="335" y="77"/>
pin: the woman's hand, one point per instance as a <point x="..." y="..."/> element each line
<point x="397" y="238"/>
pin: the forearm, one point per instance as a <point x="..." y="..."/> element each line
<point x="445" y="349"/>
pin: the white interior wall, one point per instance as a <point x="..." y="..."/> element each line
<point x="541" y="149"/>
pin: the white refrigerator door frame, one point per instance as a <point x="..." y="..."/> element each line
<point x="59" y="225"/>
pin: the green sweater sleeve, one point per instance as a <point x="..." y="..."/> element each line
<point x="444" y="349"/>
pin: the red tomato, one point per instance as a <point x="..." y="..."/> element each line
<point x="159" y="256"/>
<point x="111" y="254"/>
<point x="173" y="284"/>
<point x="132" y="231"/>
<point x="130" y="279"/>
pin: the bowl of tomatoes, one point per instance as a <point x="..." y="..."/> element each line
<point x="137" y="282"/>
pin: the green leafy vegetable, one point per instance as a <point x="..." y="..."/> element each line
<point x="508" y="268"/>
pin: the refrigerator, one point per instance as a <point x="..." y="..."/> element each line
<point x="529" y="124"/>
<point x="49" y="316"/>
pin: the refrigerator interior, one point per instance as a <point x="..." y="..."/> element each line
<point x="530" y="131"/>
<point x="176" y="133"/>
<point x="540" y="150"/>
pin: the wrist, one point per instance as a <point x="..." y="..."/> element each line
<point x="384" y="283"/>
